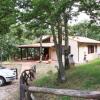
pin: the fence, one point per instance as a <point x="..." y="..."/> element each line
<point x="27" y="92"/>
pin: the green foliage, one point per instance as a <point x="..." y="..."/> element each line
<point x="7" y="15"/>
<point x="91" y="7"/>
<point x="85" y="76"/>
<point x="16" y="36"/>
<point x="47" y="81"/>
<point x="65" y="98"/>
<point x="86" y="29"/>
<point x="7" y="46"/>
<point x="7" y="18"/>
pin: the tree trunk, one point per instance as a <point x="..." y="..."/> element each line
<point x="40" y="48"/>
<point x="61" y="70"/>
<point x="1" y="50"/>
<point x="1" y="56"/>
<point x="66" y="51"/>
<point x="58" y="46"/>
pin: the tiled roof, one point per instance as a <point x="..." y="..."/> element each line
<point x="75" y="38"/>
<point x="83" y="39"/>
<point x="44" y="37"/>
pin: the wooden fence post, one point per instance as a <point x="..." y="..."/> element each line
<point x="28" y="95"/>
<point x="16" y="73"/>
<point x="26" y="76"/>
<point x="22" y="91"/>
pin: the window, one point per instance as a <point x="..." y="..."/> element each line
<point x="90" y="49"/>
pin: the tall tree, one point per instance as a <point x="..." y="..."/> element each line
<point x="7" y="15"/>
<point x="86" y="29"/>
<point x="92" y="9"/>
<point x="55" y="14"/>
<point x="7" y="18"/>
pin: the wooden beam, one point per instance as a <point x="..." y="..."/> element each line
<point x="67" y="92"/>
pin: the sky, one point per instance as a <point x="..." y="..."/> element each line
<point x="81" y="18"/>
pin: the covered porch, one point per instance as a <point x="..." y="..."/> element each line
<point x="32" y="52"/>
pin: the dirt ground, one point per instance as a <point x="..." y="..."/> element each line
<point x="7" y="91"/>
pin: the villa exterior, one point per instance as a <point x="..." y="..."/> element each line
<point x="82" y="48"/>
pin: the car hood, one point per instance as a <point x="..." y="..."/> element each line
<point x="6" y="72"/>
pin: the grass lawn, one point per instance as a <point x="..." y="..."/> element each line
<point x="84" y="77"/>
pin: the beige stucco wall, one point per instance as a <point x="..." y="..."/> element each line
<point x="53" y="55"/>
<point x="78" y="50"/>
<point x="74" y="49"/>
<point x="98" y="50"/>
<point x="83" y="49"/>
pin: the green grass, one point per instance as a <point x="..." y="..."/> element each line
<point x="84" y="77"/>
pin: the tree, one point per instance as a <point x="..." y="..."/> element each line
<point x="55" y="14"/>
<point x="86" y="29"/>
<point x="90" y="28"/>
<point x="7" y="17"/>
<point x="91" y="8"/>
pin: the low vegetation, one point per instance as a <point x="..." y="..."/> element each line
<point x="84" y="77"/>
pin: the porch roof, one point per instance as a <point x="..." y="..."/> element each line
<point x="36" y="45"/>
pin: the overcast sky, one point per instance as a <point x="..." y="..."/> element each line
<point x="80" y="18"/>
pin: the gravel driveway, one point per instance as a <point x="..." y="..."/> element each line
<point x="8" y="90"/>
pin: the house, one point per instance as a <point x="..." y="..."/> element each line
<point x="82" y="48"/>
